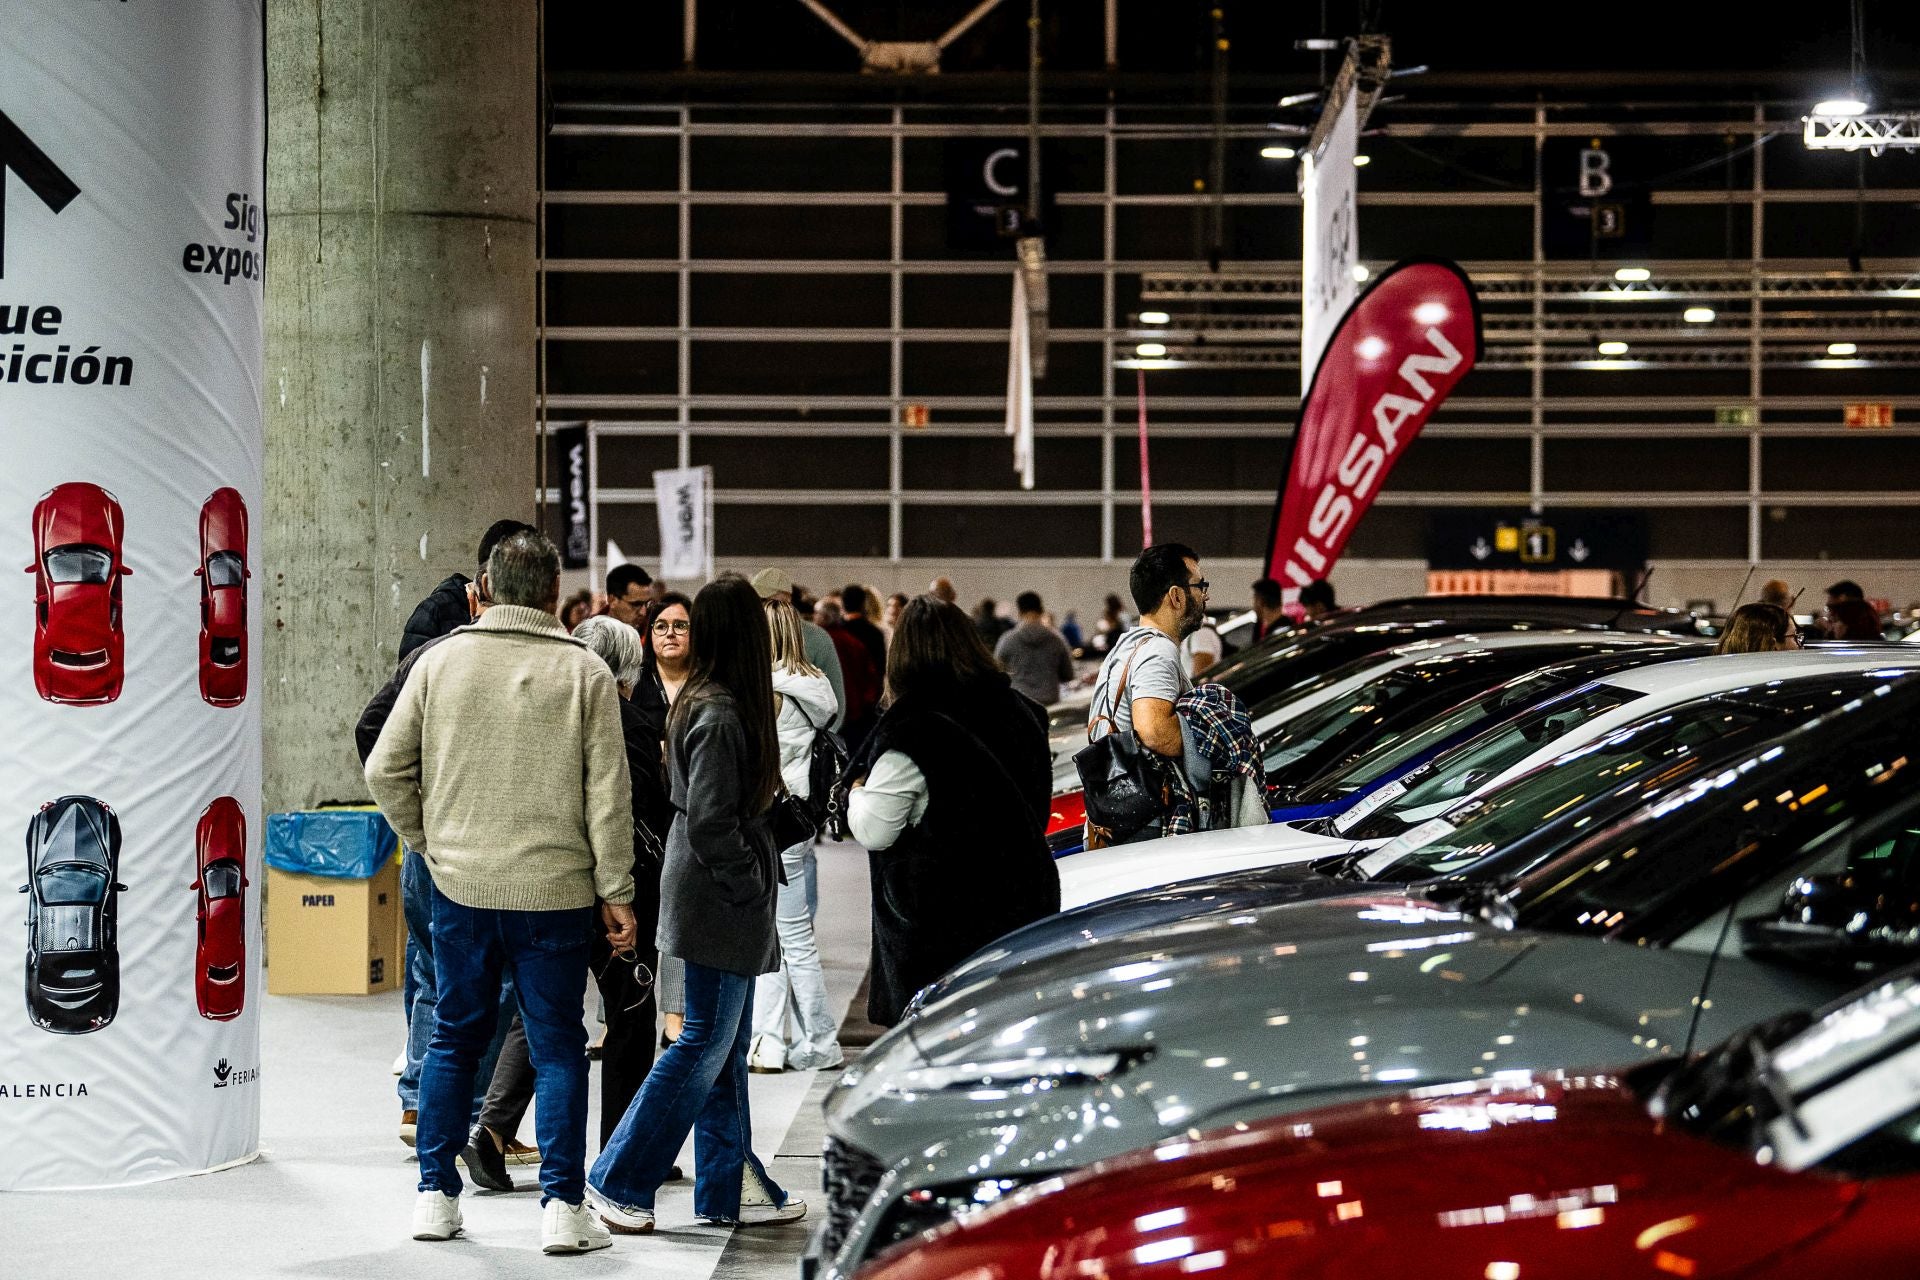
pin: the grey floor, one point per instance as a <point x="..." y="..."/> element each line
<point x="332" y="1193"/>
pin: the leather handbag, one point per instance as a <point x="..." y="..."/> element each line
<point x="1125" y="783"/>
<point x="790" y="822"/>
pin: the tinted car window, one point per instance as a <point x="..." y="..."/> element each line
<point x="79" y="563"/>
<point x="1655" y="752"/>
<point x="1667" y="868"/>
<point x="225" y="569"/>
<point x="72" y="887"/>
<point x="1458" y="772"/>
<point x="222" y="880"/>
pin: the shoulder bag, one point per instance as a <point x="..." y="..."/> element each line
<point x="1125" y="783"/>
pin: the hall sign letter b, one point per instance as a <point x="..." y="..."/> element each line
<point x="1596" y="173"/>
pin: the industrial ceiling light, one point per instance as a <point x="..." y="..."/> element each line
<point x="1154" y="317"/>
<point x="1842" y="348"/>
<point x="1613" y="348"/>
<point x="1851" y="103"/>
<point x="1632" y="275"/>
<point x="1151" y="350"/>
<point x="1361" y="162"/>
<point x="1360" y="272"/>
<point x="1698" y="315"/>
<point x="1276" y="153"/>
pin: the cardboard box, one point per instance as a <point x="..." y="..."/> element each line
<point x="332" y="936"/>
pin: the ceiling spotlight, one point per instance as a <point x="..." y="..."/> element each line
<point x="1150" y="350"/>
<point x="1847" y="104"/>
<point x="1154" y="317"/>
<point x="1613" y="348"/>
<point x="1276" y="153"/>
<point x="1632" y="275"/>
<point x="1361" y="162"/>
<point x="1842" y="349"/>
<point x="1698" y="315"/>
<point x="1300" y="99"/>
<point x="1360" y="273"/>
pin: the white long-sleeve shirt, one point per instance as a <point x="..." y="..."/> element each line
<point x="893" y="798"/>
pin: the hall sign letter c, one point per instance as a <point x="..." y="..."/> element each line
<point x="994" y="184"/>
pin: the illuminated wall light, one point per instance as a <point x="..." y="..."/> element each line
<point x="1360" y="273"/>
<point x="1154" y="317"/>
<point x="1842" y="348"/>
<point x="1503" y="1271"/>
<point x="1614" y="348"/>
<point x="1150" y="349"/>
<point x="1632" y="275"/>
<point x="1698" y="315"/>
<point x="1361" y="162"/>
<point x="1276" y="153"/>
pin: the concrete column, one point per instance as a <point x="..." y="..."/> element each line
<point x="401" y="192"/>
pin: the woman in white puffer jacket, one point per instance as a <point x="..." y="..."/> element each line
<point x="792" y="1024"/>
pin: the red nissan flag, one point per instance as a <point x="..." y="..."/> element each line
<point x="1399" y="351"/>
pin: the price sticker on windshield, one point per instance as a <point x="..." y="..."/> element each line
<point x="1352" y="817"/>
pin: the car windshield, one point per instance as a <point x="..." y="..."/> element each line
<point x="70" y="885"/>
<point x="1455" y="774"/>
<point x="1660" y="750"/>
<point x="1298" y="737"/>
<point x="226" y="569"/>
<point x="221" y="879"/>
<point x="79" y="562"/>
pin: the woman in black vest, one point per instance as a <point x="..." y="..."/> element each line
<point x="952" y="807"/>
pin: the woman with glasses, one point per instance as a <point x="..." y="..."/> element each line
<point x="1759" y="628"/>
<point x="667" y="639"/>
<point x="792" y="1024"/>
<point x="717" y="895"/>
<point x="626" y="977"/>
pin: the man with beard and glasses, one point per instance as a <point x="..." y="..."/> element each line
<point x="1143" y="673"/>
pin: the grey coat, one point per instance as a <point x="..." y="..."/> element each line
<point x="718" y="887"/>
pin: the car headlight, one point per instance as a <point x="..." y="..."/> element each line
<point x="1026" y="1074"/>
<point x="925" y="1208"/>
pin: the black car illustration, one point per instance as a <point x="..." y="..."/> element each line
<point x="73" y="960"/>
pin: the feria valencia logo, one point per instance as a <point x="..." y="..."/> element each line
<point x="225" y="1074"/>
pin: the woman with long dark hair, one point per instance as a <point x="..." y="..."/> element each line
<point x="717" y="894"/>
<point x="666" y="639"/>
<point x="952" y="806"/>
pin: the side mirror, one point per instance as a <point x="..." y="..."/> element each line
<point x="125" y="570"/>
<point x="118" y="887"/>
<point x="24" y="888"/>
<point x="195" y="886"/>
<point x="201" y="572"/>
<point x="1840" y="921"/>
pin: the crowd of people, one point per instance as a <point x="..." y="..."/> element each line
<point x="628" y="786"/>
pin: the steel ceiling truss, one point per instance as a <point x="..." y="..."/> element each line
<point x="1870" y="133"/>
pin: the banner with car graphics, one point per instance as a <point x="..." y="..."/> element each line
<point x="132" y="251"/>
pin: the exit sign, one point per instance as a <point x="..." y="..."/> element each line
<point x="1868" y="415"/>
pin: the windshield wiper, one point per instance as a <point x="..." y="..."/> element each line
<point x="1484" y="898"/>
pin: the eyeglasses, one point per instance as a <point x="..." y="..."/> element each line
<point x="672" y="628"/>
<point x="1200" y="585"/>
<point x="642" y="976"/>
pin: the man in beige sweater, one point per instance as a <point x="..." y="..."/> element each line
<point x="504" y="765"/>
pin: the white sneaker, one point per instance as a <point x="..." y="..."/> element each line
<point x="756" y="1202"/>
<point x="767" y="1055"/>
<point x="400" y="1063"/>
<point x="571" y="1228"/>
<point x="625" y="1219"/>
<point x="436" y="1216"/>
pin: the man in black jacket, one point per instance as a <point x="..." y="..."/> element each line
<point x="456" y="601"/>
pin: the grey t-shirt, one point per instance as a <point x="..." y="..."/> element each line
<point x="1157" y="672"/>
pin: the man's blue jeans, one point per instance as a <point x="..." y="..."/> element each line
<point x="700" y="1084"/>
<point x="546" y="953"/>
<point x="418" y="994"/>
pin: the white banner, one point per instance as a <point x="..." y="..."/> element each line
<point x="1020" y="383"/>
<point x="132" y="140"/>
<point x="1329" y="240"/>
<point x="685" y="501"/>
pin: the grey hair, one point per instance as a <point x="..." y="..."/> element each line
<point x="616" y="643"/>
<point x="524" y="569"/>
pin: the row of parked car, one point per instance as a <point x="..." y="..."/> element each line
<point x="1574" y="950"/>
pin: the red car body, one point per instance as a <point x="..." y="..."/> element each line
<point x="79" y="644"/>
<point x="1558" y="1176"/>
<point x="220" y="960"/>
<point x="1068" y="813"/>
<point x="223" y="575"/>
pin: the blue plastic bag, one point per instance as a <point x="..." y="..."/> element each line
<point x="347" y="844"/>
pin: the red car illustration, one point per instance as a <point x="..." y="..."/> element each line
<point x="79" y="644"/>
<point x="219" y="973"/>
<point x="223" y="575"/>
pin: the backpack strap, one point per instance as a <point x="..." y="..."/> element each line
<point x="1113" y="698"/>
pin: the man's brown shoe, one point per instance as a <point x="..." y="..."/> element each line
<point x="408" y="1126"/>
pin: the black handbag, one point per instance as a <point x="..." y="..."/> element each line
<point x="790" y="822"/>
<point x="1126" y="785"/>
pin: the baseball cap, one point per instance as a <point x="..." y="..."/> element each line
<point x="771" y="582"/>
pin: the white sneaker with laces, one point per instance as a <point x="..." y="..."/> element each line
<point x="756" y="1202"/>
<point x="436" y="1216"/>
<point x="571" y="1228"/>
<point x="624" y="1219"/>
